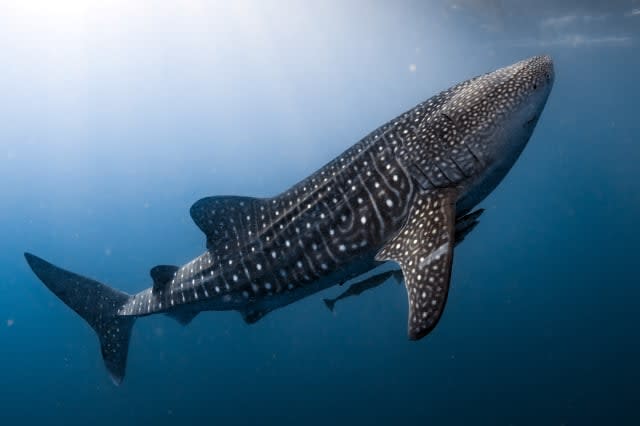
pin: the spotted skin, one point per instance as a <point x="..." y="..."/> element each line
<point x="463" y="226"/>
<point x="393" y="196"/>
<point x="424" y="250"/>
<point x="261" y="248"/>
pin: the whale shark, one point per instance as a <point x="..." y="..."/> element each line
<point x="401" y="195"/>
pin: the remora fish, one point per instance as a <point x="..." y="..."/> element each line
<point x="464" y="226"/>
<point x="360" y="287"/>
<point x="393" y="196"/>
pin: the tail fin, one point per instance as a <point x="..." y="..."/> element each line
<point x="330" y="303"/>
<point x="98" y="304"/>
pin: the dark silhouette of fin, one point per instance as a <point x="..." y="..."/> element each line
<point x="253" y="315"/>
<point x="162" y="275"/>
<point x="330" y="303"/>
<point x="466" y="224"/>
<point x="184" y="317"/>
<point x="97" y="304"/>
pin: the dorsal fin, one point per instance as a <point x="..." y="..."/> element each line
<point x="228" y="220"/>
<point x="161" y="275"/>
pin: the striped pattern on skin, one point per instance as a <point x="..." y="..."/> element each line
<point x="397" y="193"/>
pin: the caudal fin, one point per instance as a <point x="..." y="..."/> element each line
<point x="98" y="304"/>
<point x="330" y="303"/>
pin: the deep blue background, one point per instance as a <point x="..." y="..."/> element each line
<point x="114" y="118"/>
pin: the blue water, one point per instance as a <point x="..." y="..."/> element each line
<point x="115" y="118"/>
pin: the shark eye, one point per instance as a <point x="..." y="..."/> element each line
<point x="535" y="86"/>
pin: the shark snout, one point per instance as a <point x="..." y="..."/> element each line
<point x="541" y="67"/>
<point x="548" y="68"/>
<point x="535" y="79"/>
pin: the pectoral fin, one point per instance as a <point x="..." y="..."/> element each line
<point x="252" y="315"/>
<point x="424" y="250"/>
<point x="466" y="224"/>
<point x="184" y="317"/>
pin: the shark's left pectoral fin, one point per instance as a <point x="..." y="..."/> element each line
<point x="424" y="250"/>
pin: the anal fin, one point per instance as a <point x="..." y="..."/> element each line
<point x="424" y="250"/>
<point x="184" y="317"/>
<point x="252" y="315"/>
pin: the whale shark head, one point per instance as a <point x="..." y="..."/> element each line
<point x="495" y="114"/>
<point x="472" y="134"/>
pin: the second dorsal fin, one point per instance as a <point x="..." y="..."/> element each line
<point x="228" y="220"/>
<point x="162" y="275"/>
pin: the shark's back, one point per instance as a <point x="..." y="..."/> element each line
<point x="343" y="211"/>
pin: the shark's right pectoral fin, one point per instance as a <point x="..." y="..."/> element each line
<point x="424" y="250"/>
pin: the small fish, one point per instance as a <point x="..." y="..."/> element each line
<point x="360" y="287"/>
<point x="464" y="225"/>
